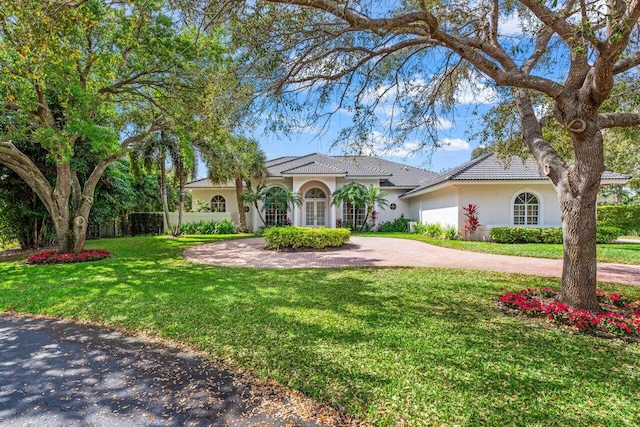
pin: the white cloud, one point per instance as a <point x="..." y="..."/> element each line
<point x="382" y="145"/>
<point x="510" y="25"/>
<point x="444" y="124"/>
<point x="454" y="144"/>
<point x="475" y="93"/>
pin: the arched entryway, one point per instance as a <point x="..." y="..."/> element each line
<point x="316" y="203"/>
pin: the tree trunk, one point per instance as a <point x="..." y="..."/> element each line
<point x="577" y="193"/>
<point x="241" y="215"/>
<point x="178" y="229"/>
<point x="163" y="193"/>
<point x="579" y="265"/>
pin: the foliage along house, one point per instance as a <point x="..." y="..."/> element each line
<point x="506" y="193"/>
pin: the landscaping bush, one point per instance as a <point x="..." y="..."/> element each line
<point x="450" y="232"/>
<point x="398" y="225"/>
<point x="551" y="235"/>
<point x="297" y="237"/>
<point x="53" y="257"/>
<point x="546" y="235"/>
<point x="437" y="231"/>
<point x="209" y="227"/>
<point x="626" y="217"/>
<point x="541" y="303"/>
<point x="606" y="234"/>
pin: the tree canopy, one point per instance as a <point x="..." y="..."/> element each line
<point x="98" y="73"/>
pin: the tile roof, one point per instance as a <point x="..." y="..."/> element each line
<point x="205" y="183"/>
<point x="490" y="167"/>
<point x="393" y="174"/>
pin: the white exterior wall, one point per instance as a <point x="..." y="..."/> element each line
<point x="440" y="206"/>
<point x="494" y="201"/>
<point x="403" y="207"/>
<point x="495" y="204"/>
<point x="229" y="194"/>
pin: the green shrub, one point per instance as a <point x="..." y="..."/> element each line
<point x="225" y="227"/>
<point x="546" y="235"/>
<point x="297" y="237"/>
<point x="209" y="227"/>
<point x="551" y="235"/>
<point x="625" y="217"/>
<point x="398" y="225"/>
<point x="435" y="230"/>
<point x="516" y="235"/>
<point x="503" y="235"/>
<point x="450" y="232"/>
<point x="420" y="228"/>
<point x="605" y="234"/>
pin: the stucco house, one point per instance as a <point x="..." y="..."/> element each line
<point x="506" y="193"/>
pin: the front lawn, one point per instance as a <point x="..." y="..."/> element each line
<point x="623" y="253"/>
<point x="396" y="346"/>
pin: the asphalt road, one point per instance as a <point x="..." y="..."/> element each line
<point x="56" y="373"/>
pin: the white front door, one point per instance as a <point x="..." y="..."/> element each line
<point x="315" y="202"/>
<point x="315" y="213"/>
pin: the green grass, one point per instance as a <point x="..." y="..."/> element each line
<point x="623" y="253"/>
<point x="391" y="345"/>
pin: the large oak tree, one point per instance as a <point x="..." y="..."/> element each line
<point x="106" y="73"/>
<point x="427" y="55"/>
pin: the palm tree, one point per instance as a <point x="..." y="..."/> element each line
<point x="281" y="199"/>
<point x="239" y="159"/>
<point x="373" y="196"/>
<point x="154" y="151"/>
<point x="184" y="167"/>
<point x="253" y="197"/>
<point x="353" y="194"/>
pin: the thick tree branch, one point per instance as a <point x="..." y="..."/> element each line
<point x="618" y="120"/>
<point x="542" y="41"/>
<point x="625" y="64"/>
<point x="14" y="159"/>
<point x="553" y="165"/>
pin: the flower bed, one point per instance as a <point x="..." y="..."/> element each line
<point x="53" y="257"/>
<point x="621" y="317"/>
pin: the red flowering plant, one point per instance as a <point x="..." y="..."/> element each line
<point x="621" y="317"/>
<point x="53" y="257"/>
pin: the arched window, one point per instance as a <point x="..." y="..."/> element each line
<point x="526" y="209"/>
<point x="315" y="193"/>
<point x="218" y="204"/>
<point x="276" y="206"/>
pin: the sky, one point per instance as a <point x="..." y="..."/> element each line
<point x="454" y="136"/>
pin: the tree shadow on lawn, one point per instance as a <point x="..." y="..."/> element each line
<point x="59" y="373"/>
<point x="358" y="337"/>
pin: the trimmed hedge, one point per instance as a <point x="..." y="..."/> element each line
<point x="606" y="234"/>
<point x="209" y="227"/>
<point x="546" y="235"/>
<point x="626" y="217"/>
<point x="298" y="237"/>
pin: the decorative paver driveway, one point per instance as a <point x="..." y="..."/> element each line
<point x="389" y="252"/>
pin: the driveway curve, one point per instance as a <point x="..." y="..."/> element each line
<point x="58" y="373"/>
<point x="390" y="252"/>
